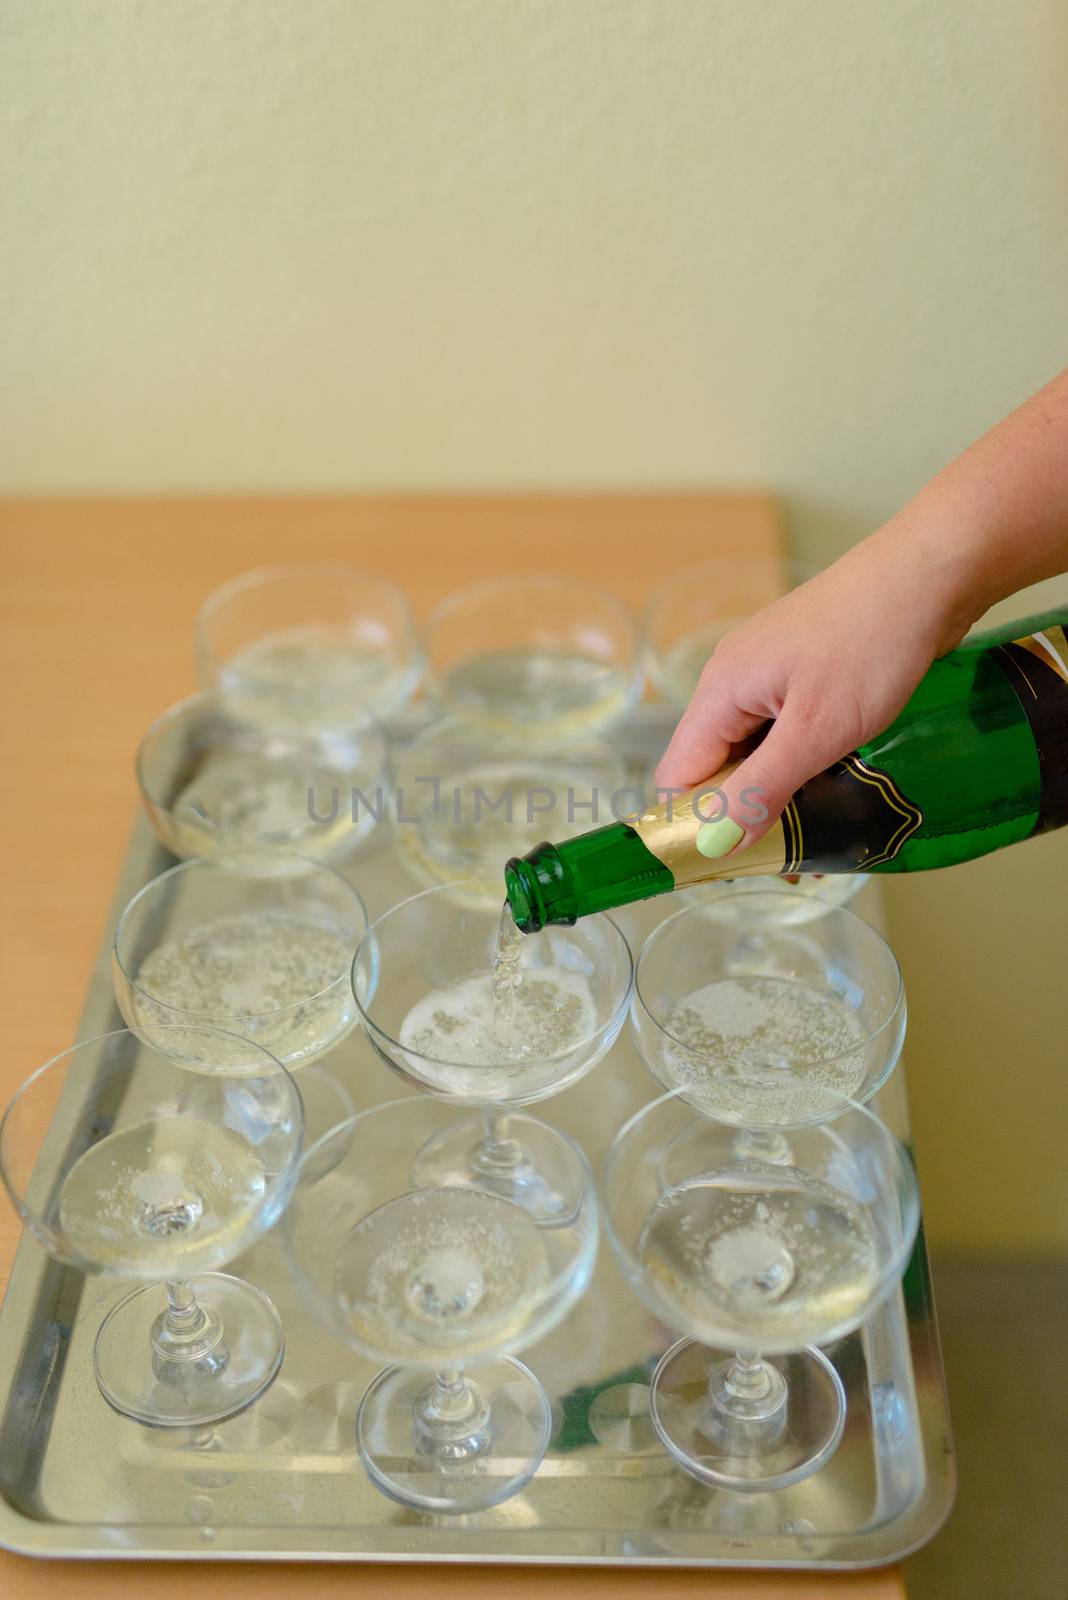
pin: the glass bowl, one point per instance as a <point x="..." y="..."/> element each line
<point x="764" y="1021"/>
<point x="812" y="892"/>
<point x="690" y="611"/>
<point x="527" y="653"/>
<point x="294" y="648"/>
<point x="430" y="945"/>
<point x="212" y="785"/>
<point x="267" y="957"/>
<point x="467" y="800"/>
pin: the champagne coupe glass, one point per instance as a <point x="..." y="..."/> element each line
<point x="219" y="943"/>
<point x="300" y="648"/>
<point x="529" y="654"/>
<point x="468" y="799"/>
<point x="764" y="1021"/>
<point x="694" y="607"/>
<point x="685" y="618"/>
<point x="435" y="1280"/>
<point x="212" y="785"/>
<point x="757" y="1263"/>
<point x="125" y="1159"/>
<point x="433" y="1019"/>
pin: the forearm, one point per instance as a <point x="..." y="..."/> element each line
<point x="828" y="665"/>
<point x="994" y="520"/>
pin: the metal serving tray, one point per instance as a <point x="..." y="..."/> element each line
<point x="282" y="1481"/>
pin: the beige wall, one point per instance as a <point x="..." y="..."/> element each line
<point x="983" y="948"/>
<point x="812" y="244"/>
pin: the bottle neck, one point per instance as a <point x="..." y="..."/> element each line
<point x="540" y="890"/>
<point x="1009" y="632"/>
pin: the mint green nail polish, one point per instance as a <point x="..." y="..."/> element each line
<point x="714" y="839"/>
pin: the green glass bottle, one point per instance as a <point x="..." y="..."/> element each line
<point x="977" y="760"/>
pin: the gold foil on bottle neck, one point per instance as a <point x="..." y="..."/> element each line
<point x="1050" y="647"/>
<point x="669" y="832"/>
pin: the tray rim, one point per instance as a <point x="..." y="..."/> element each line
<point x="24" y="1535"/>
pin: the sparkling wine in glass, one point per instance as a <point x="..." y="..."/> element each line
<point x="764" y="1021"/>
<point x="534" y="654"/>
<point x="215" y="786"/>
<point x="304" y="648"/>
<point x="490" y="1025"/>
<point x="237" y="944"/>
<point x="472" y="798"/>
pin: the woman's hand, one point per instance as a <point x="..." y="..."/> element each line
<point x="832" y="663"/>
<point x="828" y="666"/>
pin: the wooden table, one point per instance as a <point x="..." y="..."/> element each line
<point x="96" y="619"/>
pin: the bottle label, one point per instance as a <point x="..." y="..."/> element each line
<point x="1037" y="668"/>
<point x="847" y="819"/>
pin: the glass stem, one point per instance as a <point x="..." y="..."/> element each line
<point x="763" y="1144"/>
<point x="184" y="1319"/>
<point x="495" y="1122"/>
<point x="747" y="1376"/>
<point x="452" y="1418"/>
<point x="747" y="1402"/>
<point x="185" y="1332"/>
<point x="497" y="1152"/>
<point x="451" y="1397"/>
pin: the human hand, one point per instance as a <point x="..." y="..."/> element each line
<point x="828" y="666"/>
<point x="832" y="663"/>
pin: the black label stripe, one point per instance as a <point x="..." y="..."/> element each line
<point x="848" y="819"/>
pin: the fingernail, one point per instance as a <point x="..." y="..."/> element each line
<point x="715" y="839"/>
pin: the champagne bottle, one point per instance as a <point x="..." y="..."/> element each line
<point x="978" y="759"/>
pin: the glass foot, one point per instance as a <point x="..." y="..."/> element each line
<point x="235" y="1358"/>
<point x="763" y="1144"/>
<point x="490" y="1446"/>
<point x="773" y="1436"/>
<point x="704" y="1146"/>
<point x="753" y="953"/>
<point x="533" y="1166"/>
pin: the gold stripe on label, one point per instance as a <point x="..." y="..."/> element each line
<point x="911" y="815"/>
<point x="791" y="827"/>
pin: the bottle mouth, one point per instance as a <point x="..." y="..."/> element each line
<point x="519" y="892"/>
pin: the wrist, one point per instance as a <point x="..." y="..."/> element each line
<point x="945" y="580"/>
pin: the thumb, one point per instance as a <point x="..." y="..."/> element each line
<point x="755" y="794"/>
